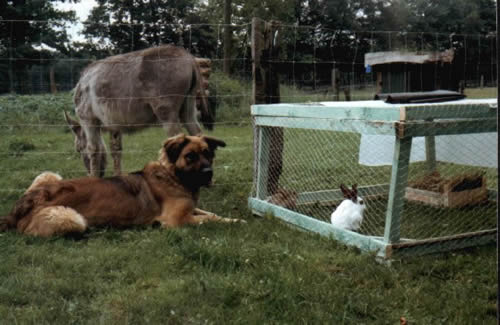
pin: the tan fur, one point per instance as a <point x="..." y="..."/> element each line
<point x="56" y="220"/>
<point x="164" y="191"/>
<point x="44" y="178"/>
<point x="51" y="220"/>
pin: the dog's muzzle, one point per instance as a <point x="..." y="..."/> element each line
<point x="206" y="175"/>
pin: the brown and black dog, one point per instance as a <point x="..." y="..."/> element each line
<point x="164" y="191"/>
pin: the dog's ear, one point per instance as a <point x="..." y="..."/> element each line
<point x="174" y="145"/>
<point x="74" y="126"/>
<point x="213" y="143"/>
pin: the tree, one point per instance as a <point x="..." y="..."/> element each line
<point x="227" y="36"/>
<point x="31" y="33"/>
<point x="129" y="25"/>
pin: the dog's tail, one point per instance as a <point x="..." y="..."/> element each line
<point x="55" y="220"/>
<point x="45" y="221"/>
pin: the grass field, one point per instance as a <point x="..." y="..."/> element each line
<point x="259" y="272"/>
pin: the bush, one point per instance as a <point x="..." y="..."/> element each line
<point x="230" y="97"/>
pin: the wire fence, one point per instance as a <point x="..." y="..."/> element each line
<point x="309" y="55"/>
<point x="314" y="65"/>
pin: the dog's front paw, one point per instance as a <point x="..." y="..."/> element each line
<point x="232" y="220"/>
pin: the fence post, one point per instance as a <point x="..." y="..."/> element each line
<point x="266" y="90"/>
<point x="53" y="86"/>
<point x="336" y="84"/>
<point x="347" y="93"/>
<point x="378" y="89"/>
<point x="227" y="37"/>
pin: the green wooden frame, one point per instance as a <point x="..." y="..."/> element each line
<point x="403" y="121"/>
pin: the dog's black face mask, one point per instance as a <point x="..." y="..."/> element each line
<point x="197" y="169"/>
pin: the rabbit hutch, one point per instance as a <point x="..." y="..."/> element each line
<point x="427" y="172"/>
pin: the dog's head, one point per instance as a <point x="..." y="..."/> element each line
<point x="191" y="158"/>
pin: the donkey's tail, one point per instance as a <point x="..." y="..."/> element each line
<point x="207" y="117"/>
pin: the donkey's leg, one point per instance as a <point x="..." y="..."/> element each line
<point x="116" y="151"/>
<point x="188" y="115"/>
<point x="168" y="114"/>
<point x="95" y="150"/>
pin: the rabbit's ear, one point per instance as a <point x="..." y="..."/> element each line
<point x="345" y="191"/>
<point x="354" y="193"/>
<point x="355" y="190"/>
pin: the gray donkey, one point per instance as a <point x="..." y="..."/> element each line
<point x="124" y="93"/>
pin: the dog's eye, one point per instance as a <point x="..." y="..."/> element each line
<point x="191" y="156"/>
<point x="207" y="153"/>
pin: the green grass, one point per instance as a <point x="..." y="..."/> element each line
<point x="487" y="92"/>
<point x="259" y="272"/>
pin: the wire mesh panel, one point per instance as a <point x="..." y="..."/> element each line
<point x="421" y="181"/>
<point x="315" y="163"/>
<point x="469" y="178"/>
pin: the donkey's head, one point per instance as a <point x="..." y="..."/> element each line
<point x="81" y="145"/>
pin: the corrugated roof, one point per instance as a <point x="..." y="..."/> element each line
<point x="375" y="58"/>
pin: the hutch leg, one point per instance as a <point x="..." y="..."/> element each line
<point x="430" y="151"/>
<point x="399" y="179"/>
<point x="263" y="158"/>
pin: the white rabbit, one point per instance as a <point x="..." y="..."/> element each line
<point x="349" y="214"/>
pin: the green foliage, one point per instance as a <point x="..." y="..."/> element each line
<point x="337" y="31"/>
<point x="452" y="16"/>
<point x="154" y="22"/>
<point x="29" y="29"/>
<point x="27" y="111"/>
<point x="230" y="96"/>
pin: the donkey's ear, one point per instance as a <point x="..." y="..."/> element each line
<point x="173" y="146"/>
<point x="74" y="126"/>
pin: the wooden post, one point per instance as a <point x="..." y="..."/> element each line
<point x="399" y="180"/>
<point x="53" y="86"/>
<point x="336" y="84"/>
<point x="265" y="50"/>
<point x="461" y="86"/>
<point x="263" y="154"/>
<point x="379" y="82"/>
<point x="430" y="151"/>
<point x="347" y="93"/>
